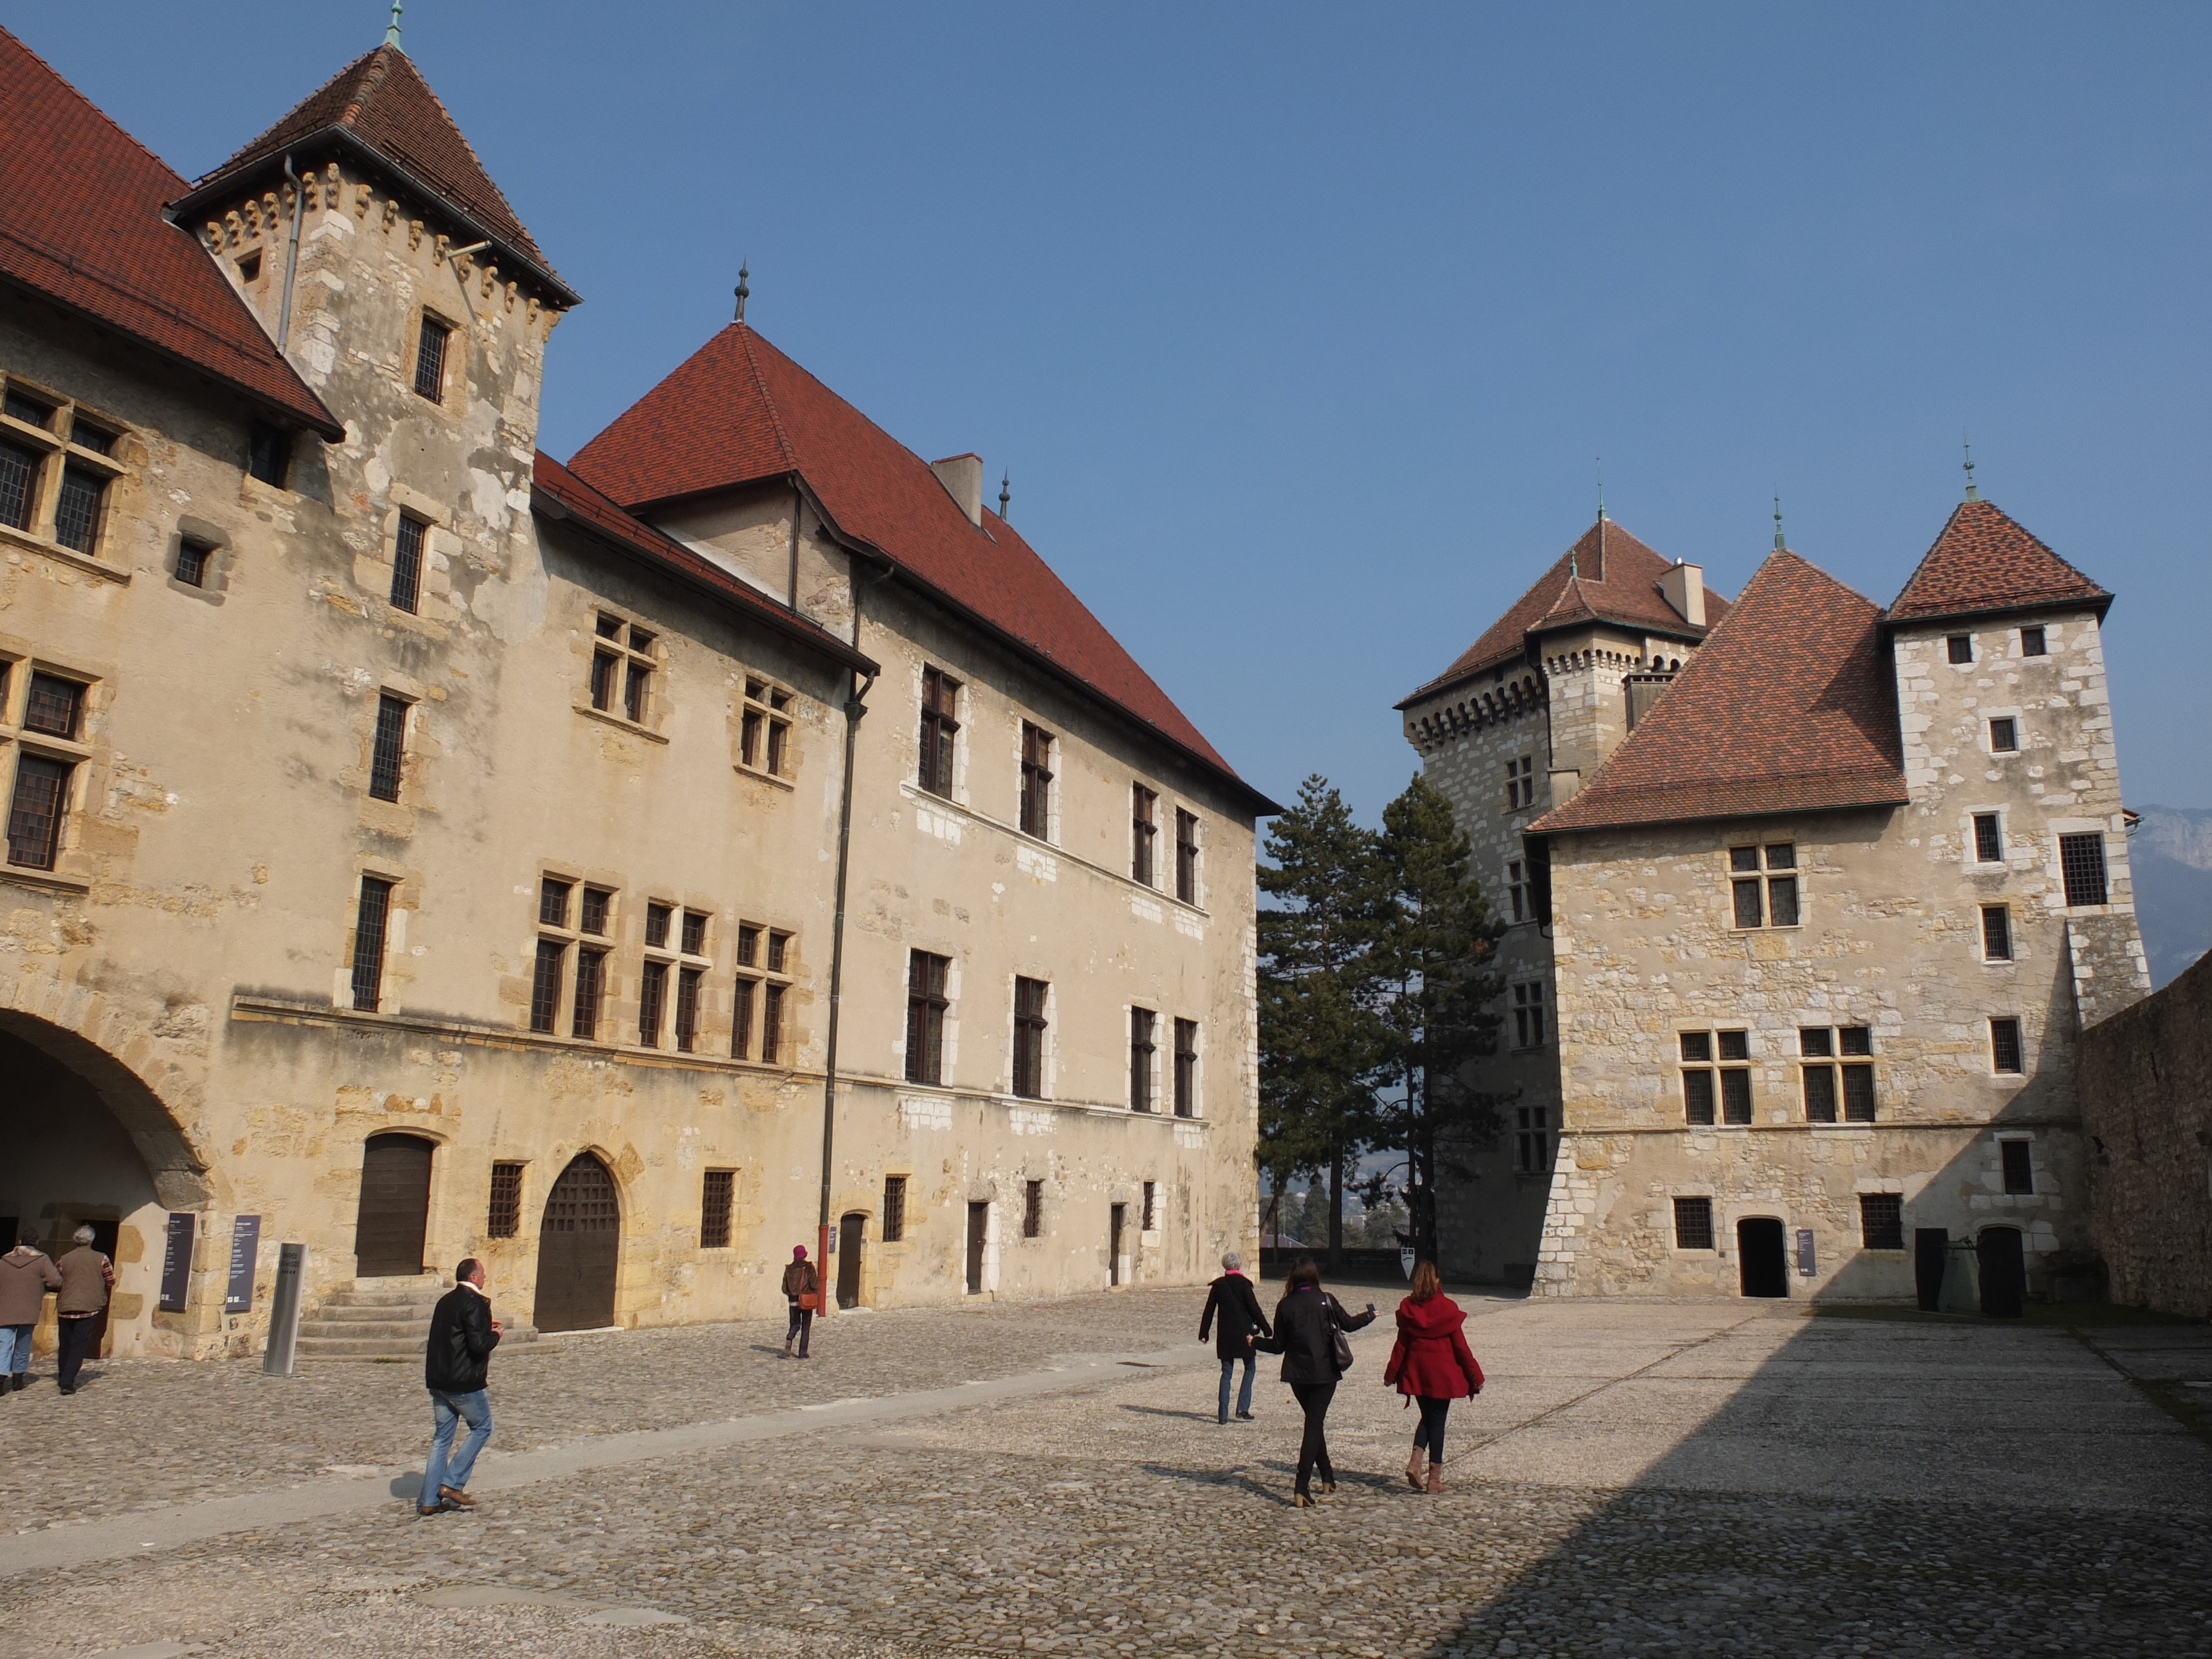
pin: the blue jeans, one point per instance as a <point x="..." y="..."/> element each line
<point x="15" y="1349"/>
<point x="473" y="1409"/>
<point x="1244" y="1396"/>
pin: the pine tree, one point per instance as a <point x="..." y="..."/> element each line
<point x="1319" y="1039"/>
<point x="1439" y="956"/>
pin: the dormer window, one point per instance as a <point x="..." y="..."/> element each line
<point x="430" y="360"/>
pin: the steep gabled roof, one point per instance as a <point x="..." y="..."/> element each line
<point x="380" y="102"/>
<point x="1607" y="576"/>
<point x="739" y="411"/>
<point x="1986" y="562"/>
<point x="560" y="495"/>
<point x="81" y="224"/>
<point x="1790" y="706"/>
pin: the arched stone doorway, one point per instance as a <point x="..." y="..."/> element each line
<point x="88" y="1143"/>
<point x="394" y="1216"/>
<point x="579" y="1245"/>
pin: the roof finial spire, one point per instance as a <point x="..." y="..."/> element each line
<point x="1006" y="496"/>
<point x="745" y="288"/>
<point x="1601" y="490"/>
<point x="1778" y="543"/>
<point x="392" y="29"/>
<point x="1972" y="495"/>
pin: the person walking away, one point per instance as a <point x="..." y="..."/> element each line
<point x="1307" y="1320"/>
<point x="802" y="1288"/>
<point x="87" y="1278"/>
<point x="27" y="1273"/>
<point x="1431" y="1363"/>
<point x="456" y="1367"/>
<point x="1231" y="1301"/>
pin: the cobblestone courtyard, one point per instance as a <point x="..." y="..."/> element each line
<point x="1639" y="1478"/>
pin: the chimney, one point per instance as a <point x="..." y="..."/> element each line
<point x="1684" y="586"/>
<point x="963" y="475"/>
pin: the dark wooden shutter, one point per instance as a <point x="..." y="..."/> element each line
<point x="395" y="1206"/>
<point x="579" y="1243"/>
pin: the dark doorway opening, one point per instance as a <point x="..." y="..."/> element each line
<point x="852" y="1228"/>
<point x="579" y="1244"/>
<point x="1117" y="1216"/>
<point x="1931" y="1247"/>
<point x="979" y="1221"/>
<point x="1765" y="1263"/>
<point x="2004" y="1273"/>
<point x="395" y="1206"/>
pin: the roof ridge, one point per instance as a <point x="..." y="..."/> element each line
<point x="107" y="120"/>
<point x="768" y="397"/>
<point x="247" y="147"/>
<point x="460" y="132"/>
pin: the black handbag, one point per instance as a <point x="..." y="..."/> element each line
<point x="1341" y="1346"/>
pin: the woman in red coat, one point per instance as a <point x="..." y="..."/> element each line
<point x="1432" y="1364"/>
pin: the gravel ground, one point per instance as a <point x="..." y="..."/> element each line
<point x="1117" y="1518"/>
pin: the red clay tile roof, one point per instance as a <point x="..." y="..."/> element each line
<point x="1788" y="706"/>
<point x="1607" y="576"/>
<point x="382" y="101"/>
<point x="739" y="411"/>
<point x="81" y="223"/>
<point x="570" y="497"/>
<point x="1985" y="561"/>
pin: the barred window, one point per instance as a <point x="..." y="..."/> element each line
<point x="1142" y="1023"/>
<point x="1033" y="1209"/>
<point x="2019" y="1166"/>
<point x="1881" y="1221"/>
<point x="2082" y="861"/>
<point x="2004" y="736"/>
<point x="553" y="901"/>
<point x="1028" y="1037"/>
<point x="1961" y="647"/>
<point x="407" y="564"/>
<point x="1185" y="1068"/>
<point x="657" y="918"/>
<point x="2005" y="1051"/>
<point x="652" y="995"/>
<point x="430" y="360"/>
<point x="940" y="702"/>
<point x="926" y="1004"/>
<point x="76" y="512"/>
<point x="621" y="668"/>
<point x="591" y="991"/>
<point x="1693" y="1224"/>
<point x="1772" y="902"/>
<point x="34" y="815"/>
<point x="1996" y="933"/>
<point x="772" y="998"/>
<point x="1036" y="781"/>
<point x="32" y="412"/>
<point x="1702" y="1080"/>
<point x="1827" y="1083"/>
<point x="1186" y="856"/>
<point x="894" y="1208"/>
<point x="718" y="1190"/>
<point x="387" y="749"/>
<point x="19" y="479"/>
<point x="2032" y="643"/>
<point x="505" y="1219"/>
<point x="192" y="558"/>
<point x="370" y="917"/>
<point x="1143" y="831"/>
<point x="596" y="902"/>
<point x="54" y="705"/>
<point x="1989" y="839"/>
<point x="1151" y="1206"/>
<point x="545" y="984"/>
<point x="687" y="1008"/>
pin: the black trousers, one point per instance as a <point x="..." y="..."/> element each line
<point x="1313" y="1399"/>
<point x="1430" y="1434"/>
<point x="801" y="1328"/>
<point x="76" y="1337"/>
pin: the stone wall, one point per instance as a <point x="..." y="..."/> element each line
<point x="2146" y="1081"/>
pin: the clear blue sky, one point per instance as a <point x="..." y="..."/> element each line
<point x="1300" y="326"/>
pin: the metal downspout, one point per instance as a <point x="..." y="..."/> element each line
<point x="292" y="259"/>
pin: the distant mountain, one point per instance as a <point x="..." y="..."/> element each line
<point x="2171" y="855"/>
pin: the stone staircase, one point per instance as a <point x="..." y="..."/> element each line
<point x="374" y="1319"/>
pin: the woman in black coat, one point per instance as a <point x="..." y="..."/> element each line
<point x="1307" y="1320"/>
<point x="1231" y="1301"/>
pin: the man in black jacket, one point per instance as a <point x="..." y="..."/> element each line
<point x="463" y="1333"/>
<point x="1230" y="1299"/>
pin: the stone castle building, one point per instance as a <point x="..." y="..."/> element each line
<point x="1809" y="903"/>
<point x="417" y="847"/>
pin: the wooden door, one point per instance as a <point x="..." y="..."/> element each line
<point x="849" y="1230"/>
<point x="1765" y="1262"/>
<point x="395" y="1206"/>
<point x="1931" y="1247"/>
<point x="978" y="1223"/>
<point x="579" y="1243"/>
<point x="2004" y="1273"/>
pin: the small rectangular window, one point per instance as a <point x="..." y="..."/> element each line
<point x="1516" y="888"/>
<point x="32" y="412"/>
<point x="85" y="436"/>
<point x="2004" y="736"/>
<point x="545" y="985"/>
<point x="387" y="749"/>
<point x="370" y="917"/>
<point x="1185" y="1068"/>
<point x="687" y="1008"/>
<point x="1142" y="1022"/>
<point x="54" y="705"/>
<point x="925" y="1003"/>
<point x="1151" y="1206"/>
<point x="694" y="933"/>
<point x="772" y="1021"/>
<point x="1816" y="1043"/>
<point x="596" y="902"/>
<point x="2032" y="643"/>
<point x="1735" y="1096"/>
<point x="1881" y="1221"/>
<point x="553" y="901"/>
<point x="1820" y="1094"/>
<point x="2082" y="861"/>
<point x="940" y="700"/>
<point x="748" y="935"/>
<point x="1186" y="856"/>
<point x="76" y="512"/>
<point x="407" y="564"/>
<point x="192" y="559"/>
<point x="637" y="691"/>
<point x="1989" y="839"/>
<point x="1033" y="1209"/>
<point x="1520" y="783"/>
<point x="591" y="988"/>
<point x="606" y="674"/>
<point x="2019" y="1158"/>
<point x="1532" y="1140"/>
<point x="504" y="1219"/>
<point x="18" y="477"/>
<point x="1961" y="647"/>
<point x="652" y="995"/>
<point x="430" y="360"/>
<point x="657" y="917"/>
<point x="1142" y="832"/>
<point x="1782" y="901"/>
<point x="268" y="454"/>
<point x="741" y="1020"/>
<point x="1854" y="1039"/>
<point x="1743" y="860"/>
<point x="718" y="1192"/>
<point x="1735" y="1045"/>
<point x="1036" y="781"/>
<point x="2005" y="1054"/>
<point x="1996" y="933"/>
<point x="1529" y="1015"/>
<point x="1748" y="913"/>
<point x="1858" y="1094"/>
<point x="1028" y="1037"/>
<point x="1698" y="1048"/>
<point x="1696" y="1097"/>
<point x="34" y="816"/>
<point x="1693" y="1224"/>
<point x="778" y="945"/>
<point x="894" y="1209"/>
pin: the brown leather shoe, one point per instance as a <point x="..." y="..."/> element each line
<point x="441" y="1507"/>
<point x="1436" y="1477"/>
<point x="1413" y="1470"/>
<point x="454" y="1497"/>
